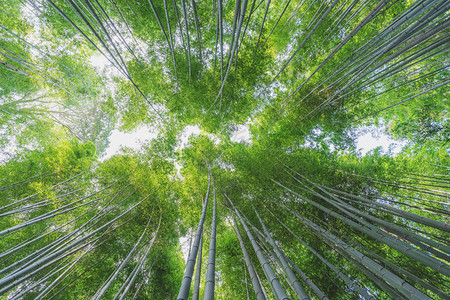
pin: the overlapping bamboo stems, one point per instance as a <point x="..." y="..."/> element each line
<point x="68" y="267"/>
<point x="293" y="14"/>
<point x="340" y="18"/>
<point x="278" y="20"/>
<point x="405" y="274"/>
<point x="370" y="275"/>
<point x="402" y="65"/>
<point x="132" y="278"/>
<point x="239" y="41"/>
<point x="10" y="286"/>
<point x="306" y="279"/>
<point x="36" y="238"/>
<point x="374" y="278"/>
<point x="58" y="254"/>
<point x="429" y="182"/>
<point x="292" y="279"/>
<point x="39" y="268"/>
<point x="175" y="7"/>
<point x="42" y="203"/>
<point x="91" y="245"/>
<point x="433" y="238"/>
<point x="234" y="43"/>
<point x="41" y="235"/>
<point x="352" y="64"/>
<point x="415" y="33"/>
<point x="370" y="48"/>
<point x="432" y="50"/>
<point x="375" y="54"/>
<point x="401" y="213"/>
<point x="56" y="212"/>
<point x="233" y="31"/>
<point x="220" y="28"/>
<point x="29" y="68"/>
<point x="197" y="29"/>
<point x="339" y="273"/>
<point x="262" y="27"/>
<point x="408" y="97"/>
<point x="169" y="43"/>
<point x="432" y="192"/>
<point x="111" y="59"/>
<point x="392" y="210"/>
<point x="37" y="219"/>
<point x="120" y="65"/>
<point x="275" y="284"/>
<point x="395" y="229"/>
<point x="274" y="258"/>
<point x="65" y="239"/>
<point x="379" y="235"/>
<point x="393" y="266"/>
<point x="114" y="28"/>
<point x="172" y="46"/>
<point x="183" y="4"/>
<point x="330" y="8"/>
<point x="393" y="280"/>
<point x="126" y="24"/>
<point x="198" y="269"/>
<point x="61" y="241"/>
<point x="369" y="17"/>
<point x="383" y="38"/>
<point x="395" y="85"/>
<point x="142" y="281"/>
<point x="215" y="47"/>
<point x="248" y="21"/>
<point x="101" y="291"/>
<point x="187" y="278"/>
<point x="257" y="287"/>
<point x="422" y="201"/>
<point x="414" y="278"/>
<point x="394" y="198"/>
<point x="264" y="238"/>
<point x="246" y="282"/>
<point x="198" y="272"/>
<point x="35" y="194"/>
<point x="123" y="67"/>
<point x="73" y="280"/>
<point x="30" y="179"/>
<point x="211" y="270"/>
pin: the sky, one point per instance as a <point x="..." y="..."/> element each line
<point x="364" y="143"/>
<point x="134" y="139"/>
<point x="375" y="138"/>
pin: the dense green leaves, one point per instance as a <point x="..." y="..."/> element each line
<point x="306" y="78"/>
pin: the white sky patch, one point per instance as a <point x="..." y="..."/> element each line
<point x="102" y="64"/>
<point x="186" y="133"/>
<point x="241" y="135"/>
<point x="185" y="242"/>
<point x="178" y="168"/>
<point x="215" y="139"/>
<point x="375" y="138"/>
<point x="99" y="61"/>
<point x="133" y="140"/>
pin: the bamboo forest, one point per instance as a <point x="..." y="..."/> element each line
<point x="240" y="169"/>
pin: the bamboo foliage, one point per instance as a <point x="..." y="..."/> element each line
<point x="306" y="77"/>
